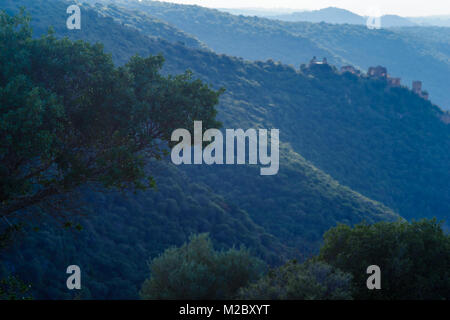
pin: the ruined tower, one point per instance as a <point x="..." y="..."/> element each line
<point x="417" y="87"/>
<point x="377" y="72"/>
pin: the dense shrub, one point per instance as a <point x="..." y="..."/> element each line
<point x="414" y="258"/>
<point x="197" y="271"/>
<point x="294" y="281"/>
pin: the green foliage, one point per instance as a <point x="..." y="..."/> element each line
<point x="402" y="50"/>
<point x="252" y="38"/>
<point x="230" y="202"/>
<point x="12" y="288"/>
<point x="307" y="281"/>
<point x="197" y="271"/>
<point x="383" y="142"/>
<point x="69" y="117"/>
<point x="148" y="25"/>
<point x="297" y="205"/>
<point x="414" y="258"/>
<point x="121" y="231"/>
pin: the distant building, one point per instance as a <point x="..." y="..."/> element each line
<point x="394" y="82"/>
<point x="377" y="72"/>
<point x="315" y="61"/>
<point x="417" y="89"/>
<point x="350" y="69"/>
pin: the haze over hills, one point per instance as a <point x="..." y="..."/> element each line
<point x="260" y="12"/>
<point x="339" y="16"/>
<point x="438" y="21"/>
<point x="342" y="16"/>
<point x="329" y="15"/>
<point x="337" y="130"/>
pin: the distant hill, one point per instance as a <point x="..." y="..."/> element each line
<point x="150" y="26"/>
<point x="438" y="21"/>
<point x="328" y="15"/>
<point x="260" y="12"/>
<point x="339" y="16"/>
<point x="251" y="38"/>
<point x="389" y="21"/>
<point x="254" y="88"/>
<point x="292" y="43"/>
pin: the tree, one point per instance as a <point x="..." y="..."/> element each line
<point x="307" y="281"/>
<point x="197" y="271"/>
<point x="69" y="117"/>
<point x="12" y="288"/>
<point x="414" y="258"/>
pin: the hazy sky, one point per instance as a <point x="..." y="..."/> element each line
<point x="362" y="7"/>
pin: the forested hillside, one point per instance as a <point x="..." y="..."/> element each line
<point x="294" y="43"/>
<point x="387" y="143"/>
<point x="251" y="38"/>
<point x="304" y="201"/>
<point x="385" y="146"/>
<point x="150" y="26"/>
<point x="341" y="16"/>
<point x="120" y="232"/>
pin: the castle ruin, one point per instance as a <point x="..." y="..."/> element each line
<point x="417" y="89"/>
<point x="377" y="72"/>
<point x="350" y="69"/>
<point x="315" y="61"/>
